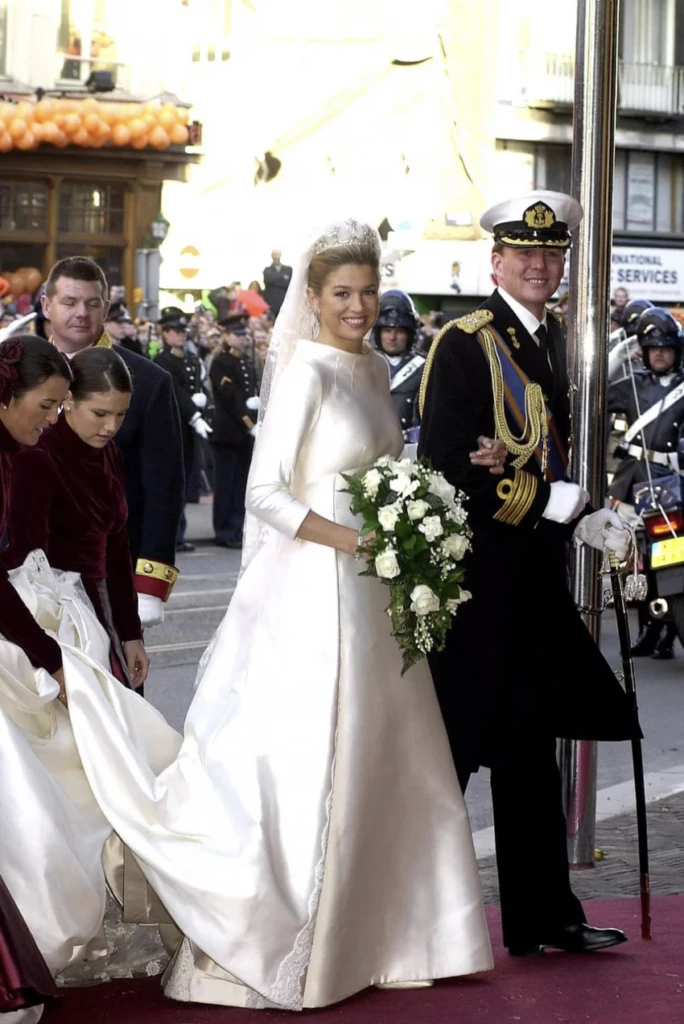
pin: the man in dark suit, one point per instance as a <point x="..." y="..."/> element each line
<point x="76" y="305"/>
<point x="232" y="384"/>
<point x="520" y="669"/>
<point x="276" y="282"/>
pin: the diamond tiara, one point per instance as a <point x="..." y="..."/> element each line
<point x="347" y="232"/>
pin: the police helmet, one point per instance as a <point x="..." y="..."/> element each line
<point x="396" y="310"/>
<point x="656" y="328"/>
<point x="631" y="313"/>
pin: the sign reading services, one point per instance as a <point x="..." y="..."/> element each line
<point x="655" y="274"/>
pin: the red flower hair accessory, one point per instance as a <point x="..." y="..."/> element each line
<point x="10" y="357"/>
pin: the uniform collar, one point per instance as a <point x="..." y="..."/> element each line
<point x="527" y="319"/>
<point x="104" y="341"/>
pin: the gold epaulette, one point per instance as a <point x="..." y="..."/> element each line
<point x="517" y="496"/>
<point x="473" y="322"/>
<point x="470" y="323"/>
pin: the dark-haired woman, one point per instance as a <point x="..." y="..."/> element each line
<point x="34" y="379"/>
<point x="68" y="500"/>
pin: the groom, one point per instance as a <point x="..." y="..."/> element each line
<point x="520" y="669"/>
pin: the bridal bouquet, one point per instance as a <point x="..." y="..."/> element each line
<point x="416" y="536"/>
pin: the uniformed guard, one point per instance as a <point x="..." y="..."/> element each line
<point x="186" y="373"/>
<point x="520" y="668"/>
<point x="233" y="386"/>
<point x="653" y="403"/>
<point x="394" y="336"/>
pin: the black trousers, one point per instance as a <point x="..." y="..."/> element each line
<point x="531" y="844"/>
<point x="231" y="469"/>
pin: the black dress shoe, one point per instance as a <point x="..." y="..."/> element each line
<point x="664" y="649"/>
<point x="185" y="546"/>
<point x="576" y="938"/>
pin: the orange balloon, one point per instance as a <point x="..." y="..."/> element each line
<point x="59" y="120"/>
<point x="26" y="141"/>
<point x="159" y="138"/>
<point x="150" y="121"/>
<point x="121" y="135"/>
<point x="17" y="127"/>
<point x="32" y="279"/>
<point x="103" y="130"/>
<point x="97" y="141"/>
<point x="38" y="131"/>
<point x="109" y="112"/>
<point x="140" y="141"/>
<point x="167" y="118"/>
<point x="179" y="134"/>
<point x="183" y="114"/>
<point x="137" y="127"/>
<point x="62" y="140"/>
<point x="91" y="122"/>
<point x="24" y="110"/>
<point x="3" y="126"/>
<point x="72" y="124"/>
<point x="90" y="104"/>
<point x="81" y="138"/>
<point x="44" y="110"/>
<point x="129" y="111"/>
<point x="50" y="131"/>
<point x="68" y="106"/>
<point x="6" y="142"/>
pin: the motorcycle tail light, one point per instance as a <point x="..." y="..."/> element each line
<point x="657" y="525"/>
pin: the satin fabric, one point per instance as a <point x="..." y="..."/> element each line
<point x="54" y="832"/>
<point x="310" y="839"/>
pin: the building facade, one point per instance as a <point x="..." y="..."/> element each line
<point x="87" y="194"/>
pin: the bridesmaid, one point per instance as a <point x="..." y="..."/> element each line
<point x="34" y="378"/>
<point x="68" y="499"/>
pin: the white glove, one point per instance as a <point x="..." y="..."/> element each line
<point x="254" y="431"/>
<point x="253" y="403"/>
<point x="605" y="531"/>
<point x="566" y="502"/>
<point x="150" y="609"/>
<point x="200" y="426"/>
<point x="200" y="400"/>
<point x="620" y="354"/>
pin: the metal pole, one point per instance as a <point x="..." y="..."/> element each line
<point x="592" y="183"/>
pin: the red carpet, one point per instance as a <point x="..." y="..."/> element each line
<point x="637" y="983"/>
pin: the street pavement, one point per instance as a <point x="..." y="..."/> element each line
<point x="202" y="594"/>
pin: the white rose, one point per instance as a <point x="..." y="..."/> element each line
<point x="453" y="602"/>
<point x="441" y="488"/>
<point x="432" y="528"/>
<point x="371" y="483"/>
<point x="404" y="484"/>
<point x="416" y="509"/>
<point x="388" y="516"/>
<point x="424" y="600"/>
<point x="399" y="465"/>
<point x="386" y="564"/>
<point x="455" y="546"/>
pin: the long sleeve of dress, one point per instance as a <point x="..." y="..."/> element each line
<point x="292" y="412"/>
<point x="121" y="586"/>
<point x="29" y="510"/>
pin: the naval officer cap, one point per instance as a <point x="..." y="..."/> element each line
<point x="539" y="218"/>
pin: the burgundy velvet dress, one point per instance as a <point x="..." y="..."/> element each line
<point x="24" y="976"/>
<point x="69" y="499"/>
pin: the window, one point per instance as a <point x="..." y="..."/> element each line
<point x="647" y="31"/>
<point x="211" y="25"/>
<point x="23" y="206"/>
<point x="89" y="208"/>
<point x="88" y="34"/>
<point x="647" y="196"/>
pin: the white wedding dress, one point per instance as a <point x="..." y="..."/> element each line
<point x="310" y="838"/>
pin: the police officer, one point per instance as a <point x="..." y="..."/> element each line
<point x="653" y="402"/>
<point x="394" y="336"/>
<point x="520" y="668"/>
<point x="186" y="374"/>
<point x="121" y="329"/>
<point x="233" y="387"/>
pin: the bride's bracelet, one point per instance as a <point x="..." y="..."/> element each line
<point x="358" y="554"/>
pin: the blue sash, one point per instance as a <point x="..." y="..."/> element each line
<point x="515" y="383"/>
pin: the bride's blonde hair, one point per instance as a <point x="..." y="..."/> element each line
<point x="362" y="254"/>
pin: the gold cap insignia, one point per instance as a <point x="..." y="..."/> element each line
<point x="539" y="216"/>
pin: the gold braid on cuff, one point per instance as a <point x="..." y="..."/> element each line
<point x="157" y="571"/>
<point x="517" y="496"/>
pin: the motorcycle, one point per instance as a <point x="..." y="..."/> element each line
<point x="661" y="507"/>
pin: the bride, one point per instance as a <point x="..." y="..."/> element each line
<point x="310" y="839"/>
